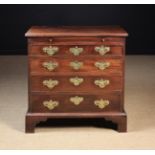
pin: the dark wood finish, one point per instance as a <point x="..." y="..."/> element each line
<point x="87" y="38"/>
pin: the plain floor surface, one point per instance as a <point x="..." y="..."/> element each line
<point x="139" y="105"/>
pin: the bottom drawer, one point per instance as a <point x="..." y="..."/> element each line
<point x="75" y="102"/>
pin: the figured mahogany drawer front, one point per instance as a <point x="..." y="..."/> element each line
<point x="75" y="83"/>
<point x="75" y="50"/>
<point x="65" y="65"/>
<point x="75" y="103"/>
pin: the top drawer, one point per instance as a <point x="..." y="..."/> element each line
<point x="74" y="51"/>
<point x="75" y="46"/>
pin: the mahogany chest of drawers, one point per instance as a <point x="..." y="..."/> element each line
<point x="76" y="72"/>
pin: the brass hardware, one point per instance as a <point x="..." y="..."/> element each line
<point x="50" y="83"/>
<point x="76" y="81"/>
<point x="102" y="65"/>
<point x="76" y="65"/>
<point x="101" y="103"/>
<point x="101" y="83"/>
<point x="50" y="65"/>
<point x="50" y="50"/>
<point x="50" y="104"/>
<point x="76" y="50"/>
<point x="102" y="50"/>
<point x="76" y="100"/>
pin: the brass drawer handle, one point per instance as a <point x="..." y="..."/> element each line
<point x="76" y="65"/>
<point x="101" y="83"/>
<point x="76" y="50"/>
<point x="102" y="65"/>
<point x="76" y="81"/>
<point x="50" y="50"/>
<point x="50" y="65"/>
<point x="50" y="104"/>
<point x="101" y="103"/>
<point x="102" y="50"/>
<point x="76" y="100"/>
<point x="50" y="83"/>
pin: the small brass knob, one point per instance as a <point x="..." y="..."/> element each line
<point x="76" y="65"/>
<point x="50" y="83"/>
<point x="101" y="83"/>
<point x="102" y="65"/>
<point x="76" y="81"/>
<point x="102" y="50"/>
<point x="101" y="103"/>
<point x="76" y="50"/>
<point x="50" y="50"/>
<point x="76" y="100"/>
<point x="50" y="104"/>
<point x="50" y="65"/>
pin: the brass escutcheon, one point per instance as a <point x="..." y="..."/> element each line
<point x="102" y="65"/>
<point x="76" y="50"/>
<point x="76" y="81"/>
<point x="76" y="100"/>
<point x="102" y="50"/>
<point x="50" y="83"/>
<point x="76" y="65"/>
<point x="50" y="104"/>
<point x="50" y="50"/>
<point x="50" y="65"/>
<point x="101" y="103"/>
<point x="101" y="83"/>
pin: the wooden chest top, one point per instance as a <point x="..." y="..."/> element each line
<point x="44" y="31"/>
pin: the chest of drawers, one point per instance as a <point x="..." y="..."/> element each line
<point x="76" y="72"/>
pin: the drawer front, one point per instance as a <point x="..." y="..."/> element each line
<point x="88" y="65"/>
<point x="75" y="50"/>
<point x="75" y="103"/>
<point x="75" y="83"/>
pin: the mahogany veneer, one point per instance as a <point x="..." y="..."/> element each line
<point x="76" y="72"/>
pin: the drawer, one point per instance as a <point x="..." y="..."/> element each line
<point x="67" y="65"/>
<point x="76" y="50"/>
<point x="77" y="83"/>
<point x="75" y="102"/>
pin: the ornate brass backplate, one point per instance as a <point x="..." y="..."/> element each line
<point x="102" y="65"/>
<point x="76" y="50"/>
<point x="76" y="65"/>
<point x="50" y="83"/>
<point x="50" y="65"/>
<point x="76" y="100"/>
<point x="76" y="81"/>
<point x="50" y="50"/>
<point x="101" y="103"/>
<point x="50" y="104"/>
<point x="102" y="50"/>
<point x="101" y="83"/>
